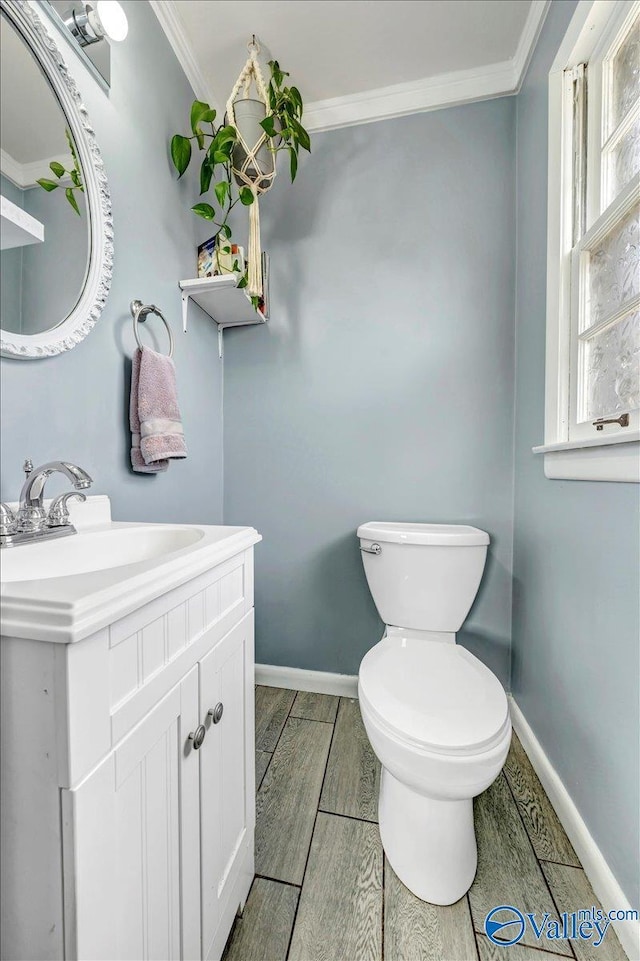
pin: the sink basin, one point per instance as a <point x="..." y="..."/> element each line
<point x="65" y="589"/>
<point x="93" y="551"/>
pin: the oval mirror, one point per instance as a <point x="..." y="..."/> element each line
<point x="55" y="232"/>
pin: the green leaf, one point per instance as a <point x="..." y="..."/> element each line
<point x="206" y="173"/>
<point x="277" y="74"/>
<point x="72" y="146"/>
<point x="200" y="139"/>
<point x="226" y="250"/>
<point x="57" y="168"/>
<point x="75" y="177"/>
<point x="301" y="135"/>
<point x="180" y="153"/>
<point x="225" y="134"/>
<point x="48" y="185"/>
<point x="220" y="148"/>
<point x="224" y="150"/>
<point x="269" y="126"/>
<point x="204" y="210"/>
<point x="243" y="282"/>
<point x="221" y="191"/>
<point x="208" y="117"/>
<point x="225" y="230"/>
<point x="293" y="163"/>
<point x="198" y="111"/>
<point x="246" y="196"/>
<point x="294" y="93"/>
<point x="72" y="199"/>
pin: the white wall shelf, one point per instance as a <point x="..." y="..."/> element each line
<point x="17" y="227"/>
<point x="222" y="299"/>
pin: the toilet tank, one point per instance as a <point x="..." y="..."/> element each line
<point x="423" y="576"/>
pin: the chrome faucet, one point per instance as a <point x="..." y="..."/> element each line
<point x="32" y="521"/>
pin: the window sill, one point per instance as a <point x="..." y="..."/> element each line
<point x="605" y="458"/>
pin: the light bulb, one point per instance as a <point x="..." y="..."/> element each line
<point x="111" y="20"/>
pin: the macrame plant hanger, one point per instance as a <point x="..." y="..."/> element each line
<point x="249" y="164"/>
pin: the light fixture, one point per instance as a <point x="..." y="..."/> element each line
<point x="90" y="22"/>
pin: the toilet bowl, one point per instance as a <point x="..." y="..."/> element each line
<point x="436" y="716"/>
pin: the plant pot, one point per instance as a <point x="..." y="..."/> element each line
<point x="248" y="114"/>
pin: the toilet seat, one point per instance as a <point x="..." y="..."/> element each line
<point x="434" y="695"/>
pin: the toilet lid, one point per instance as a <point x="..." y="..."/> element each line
<point x="435" y="694"/>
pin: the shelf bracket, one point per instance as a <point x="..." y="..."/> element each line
<point x="185" y="309"/>
<point x="220" y="348"/>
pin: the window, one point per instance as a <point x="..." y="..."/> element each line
<point x="593" y="309"/>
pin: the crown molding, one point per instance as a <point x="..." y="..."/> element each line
<point x="444" y="90"/>
<point x="11" y="169"/>
<point x="528" y="39"/>
<point x="27" y="175"/>
<point x="167" y="13"/>
<point x="431" y="93"/>
<point x="417" y="96"/>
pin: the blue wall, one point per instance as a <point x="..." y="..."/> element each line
<point x="31" y="289"/>
<point x="575" y="610"/>
<point x="75" y="406"/>
<point x="63" y="254"/>
<point x="382" y="387"/>
<point x="11" y="265"/>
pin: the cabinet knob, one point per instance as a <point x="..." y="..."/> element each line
<point x="197" y="737"/>
<point x="215" y="713"/>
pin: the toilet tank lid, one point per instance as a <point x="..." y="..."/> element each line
<point x="439" y="535"/>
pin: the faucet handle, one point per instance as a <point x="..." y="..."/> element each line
<point x="27" y="466"/>
<point x="8" y="523"/>
<point x="58" y="512"/>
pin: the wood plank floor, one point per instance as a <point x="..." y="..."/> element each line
<point x="287" y="801"/>
<point x="352" y="780"/>
<point x="315" y="707"/>
<point x="340" y="912"/>
<point x="324" y="891"/>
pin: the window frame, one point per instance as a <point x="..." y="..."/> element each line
<point x="611" y="454"/>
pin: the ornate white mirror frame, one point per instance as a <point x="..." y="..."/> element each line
<point x="85" y="314"/>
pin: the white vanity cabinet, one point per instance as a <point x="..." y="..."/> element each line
<point x="132" y="753"/>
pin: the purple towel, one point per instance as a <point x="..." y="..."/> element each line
<point x="156" y="428"/>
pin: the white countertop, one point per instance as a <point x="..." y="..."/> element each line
<point x="69" y="608"/>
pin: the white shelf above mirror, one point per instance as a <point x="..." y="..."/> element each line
<point x="17" y="227"/>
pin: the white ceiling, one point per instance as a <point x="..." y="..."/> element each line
<point x="32" y="122"/>
<point x="346" y="48"/>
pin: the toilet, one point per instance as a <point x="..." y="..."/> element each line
<point x="437" y="717"/>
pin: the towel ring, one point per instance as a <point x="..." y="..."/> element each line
<point x="139" y="313"/>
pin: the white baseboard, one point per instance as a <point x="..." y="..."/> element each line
<point x="319" y="682"/>
<point x="602" y="879"/>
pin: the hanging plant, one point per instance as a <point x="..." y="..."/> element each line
<point x="74" y="174"/>
<point x="285" y="117"/>
<point x="239" y="160"/>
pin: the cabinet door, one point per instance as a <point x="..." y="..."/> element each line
<point x="131" y="842"/>
<point x="226" y="779"/>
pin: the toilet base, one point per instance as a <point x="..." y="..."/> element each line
<point x="431" y="845"/>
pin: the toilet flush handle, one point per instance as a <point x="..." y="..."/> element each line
<point x="374" y="549"/>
